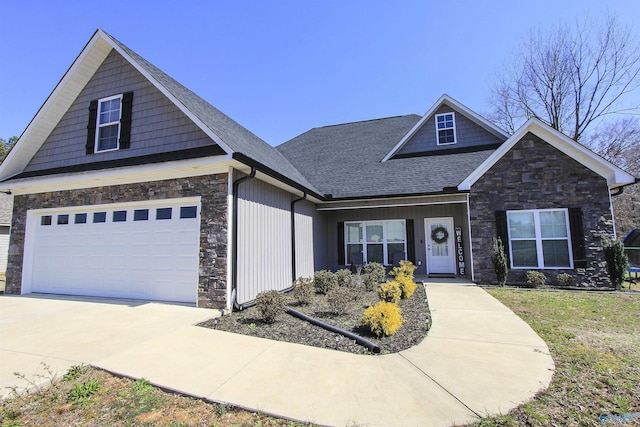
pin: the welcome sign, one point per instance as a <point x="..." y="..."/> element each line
<point x="459" y="251"/>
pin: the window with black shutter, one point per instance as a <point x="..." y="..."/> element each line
<point x="109" y="126"/>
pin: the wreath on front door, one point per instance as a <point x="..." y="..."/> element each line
<point x="439" y="235"/>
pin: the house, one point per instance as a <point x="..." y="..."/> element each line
<point x="126" y="184"/>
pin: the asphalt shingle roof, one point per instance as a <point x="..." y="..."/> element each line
<point x="236" y="137"/>
<point x="345" y="160"/>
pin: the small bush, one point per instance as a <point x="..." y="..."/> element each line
<point x="536" y="278"/>
<point x="357" y="280"/>
<point x="343" y="278"/>
<point x="81" y="393"/>
<point x="407" y="285"/>
<point x="324" y="281"/>
<point x="406" y="268"/>
<point x="617" y="261"/>
<point x="340" y="300"/>
<point x="303" y="290"/>
<point x="390" y="292"/>
<point x="270" y="305"/>
<point x="382" y="319"/>
<point x="374" y="272"/>
<point x="566" y="279"/>
<point x="500" y="264"/>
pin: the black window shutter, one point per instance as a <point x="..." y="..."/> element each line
<point x="502" y="231"/>
<point x="576" y="225"/>
<point x="411" y="243"/>
<point x="91" y="126"/>
<point x="341" y="258"/>
<point x="125" y="120"/>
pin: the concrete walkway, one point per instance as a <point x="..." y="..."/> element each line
<point x="479" y="358"/>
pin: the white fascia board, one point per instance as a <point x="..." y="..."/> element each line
<point x="446" y="99"/>
<point x="169" y="95"/>
<point x="56" y="105"/>
<point x="614" y="175"/>
<point x="118" y="176"/>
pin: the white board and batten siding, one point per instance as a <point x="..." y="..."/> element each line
<point x="264" y="239"/>
<point x="150" y="252"/>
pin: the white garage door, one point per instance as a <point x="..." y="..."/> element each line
<point x="142" y="251"/>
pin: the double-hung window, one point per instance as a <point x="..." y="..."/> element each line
<point x="445" y="128"/>
<point x="378" y="241"/>
<point x="108" y="126"/>
<point x="539" y="238"/>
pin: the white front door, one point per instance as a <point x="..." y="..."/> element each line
<point x="440" y="251"/>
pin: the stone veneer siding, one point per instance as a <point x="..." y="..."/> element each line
<point x="213" y="189"/>
<point x="535" y="175"/>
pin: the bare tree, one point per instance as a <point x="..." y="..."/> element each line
<point x="569" y="77"/>
<point x="619" y="142"/>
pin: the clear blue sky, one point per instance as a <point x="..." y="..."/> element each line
<point x="282" y="67"/>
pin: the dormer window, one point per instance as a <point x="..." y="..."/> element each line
<point x="445" y="129"/>
<point x="108" y="126"/>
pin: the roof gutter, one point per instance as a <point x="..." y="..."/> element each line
<point x="273" y="174"/>
<point x="234" y="255"/>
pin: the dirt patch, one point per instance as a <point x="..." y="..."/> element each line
<point x="415" y="312"/>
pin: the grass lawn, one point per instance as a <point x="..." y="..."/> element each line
<point x="594" y="339"/>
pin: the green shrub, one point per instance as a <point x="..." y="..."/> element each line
<point x="407" y="285"/>
<point x="81" y="393"/>
<point x="390" y="292"/>
<point x="406" y="268"/>
<point x="340" y="300"/>
<point x="374" y="273"/>
<point x="303" y="290"/>
<point x="357" y="280"/>
<point x="270" y="305"/>
<point x="500" y="264"/>
<point x="382" y="319"/>
<point x="343" y="278"/>
<point x="536" y="278"/>
<point x="617" y="261"/>
<point x="566" y="279"/>
<point x="324" y="281"/>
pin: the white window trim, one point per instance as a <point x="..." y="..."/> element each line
<point x="539" y="239"/>
<point x="453" y="119"/>
<point x="363" y="241"/>
<point x="98" y="125"/>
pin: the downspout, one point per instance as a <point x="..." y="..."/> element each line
<point x="293" y="236"/>
<point x="234" y="255"/>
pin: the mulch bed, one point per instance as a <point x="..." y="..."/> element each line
<point x="415" y="312"/>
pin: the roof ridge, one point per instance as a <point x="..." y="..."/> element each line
<point x="366" y="120"/>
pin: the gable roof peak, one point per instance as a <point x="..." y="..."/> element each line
<point x="615" y="176"/>
<point x="445" y="99"/>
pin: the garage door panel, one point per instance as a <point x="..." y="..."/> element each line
<point x="146" y="259"/>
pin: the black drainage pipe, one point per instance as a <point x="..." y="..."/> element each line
<point x="358" y="339"/>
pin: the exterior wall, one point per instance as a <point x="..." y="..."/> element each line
<point x="535" y="175"/>
<point x="4" y="247"/>
<point x="417" y="213"/>
<point x="212" y="286"/>
<point x="264" y="239"/>
<point x="157" y="125"/>
<point x="305" y="242"/>
<point x="468" y="135"/>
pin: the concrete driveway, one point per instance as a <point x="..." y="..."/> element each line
<point x="59" y="332"/>
<point x="479" y="358"/>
